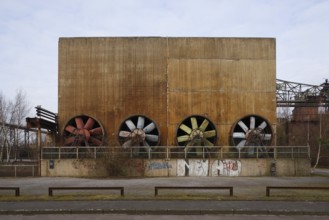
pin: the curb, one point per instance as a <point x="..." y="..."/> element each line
<point x="162" y="212"/>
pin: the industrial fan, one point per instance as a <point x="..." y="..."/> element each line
<point x="138" y="130"/>
<point x="83" y="130"/>
<point x="196" y="130"/>
<point x="252" y="131"/>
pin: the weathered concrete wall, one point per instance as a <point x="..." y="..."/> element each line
<point x="177" y="167"/>
<point x="293" y="167"/>
<point x="74" y="168"/>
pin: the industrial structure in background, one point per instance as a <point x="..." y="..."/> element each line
<point x="305" y="118"/>
<point x="162" y="106"/>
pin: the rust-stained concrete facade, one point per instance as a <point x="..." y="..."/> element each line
<point x="167" y="79"/>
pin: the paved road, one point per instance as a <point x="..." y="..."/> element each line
<point x="162" y="217"/>
<point x="189" y="207"/>
<point x="245" y="188"/>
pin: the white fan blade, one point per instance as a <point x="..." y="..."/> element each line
<point x="149" y="128"/>
<point x="243" y="126"/>
<point x="262" y="125"/>
<point x="126" y="144"/>
<point x="145" y="144"/>
<point x="241" y="144"/>
<point x="130" y="125"/>
<point x="239" y="135"/>
<point x="252" y="122"/>
<point x="151" y="137"/>
<point x="140" y="122"/>
<point x="124" y="133"/>
<point x="267" y="137"/>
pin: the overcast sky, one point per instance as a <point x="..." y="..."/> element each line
<point x="30" y="29"/>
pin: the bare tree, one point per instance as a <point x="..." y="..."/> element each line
<point x="12" y="118"/>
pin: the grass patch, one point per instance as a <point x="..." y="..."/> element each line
<point x="75" y="197"/>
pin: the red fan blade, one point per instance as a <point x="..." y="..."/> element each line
<point x="86" y="134"/>
<point x="89" y="124"/>
<point x="95" y="141"/>
<point x="69" y="141"/>
<point x="79" y="123"/>
<point x="96" y="131"/>
<point x="71" y="129"/>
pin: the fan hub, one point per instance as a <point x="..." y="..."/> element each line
<point x="196" y="134"/>
<point x="138" y="135"/>
<point x="254" y="136"/>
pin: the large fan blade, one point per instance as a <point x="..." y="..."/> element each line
<point x="194" y="123"/>
<point x="252" y="122"/>
<point x="70" y="129"/>
<point x="204" y="125"/>
<point x="130" y="125"/>
<point x="96" y="131"/>
<point x="95" y="141"/>
<point x="140" y="122"/>
<point x="79" y="123"/>
<point x="69" y="140"/>
<point x="86" y="134"/>
<point x="185" y="128"/>
<point x="126" y="144"/>
<point x="241" y="144"/>
<point x="209" y="134"/>
<point x="124" y="133"/>
<point x="145" y="144"/>
<point x="207" y="143"/>
<point x="267" y="137"/>
<point x="151" y="137"/>
<point x="183" y="138"/>
<point x="239" y="135"/>
<point x="89" y="124"/>
<point x="262" y="125"/>
<point x="243" y="126"/>
<point x="149" y="128"/>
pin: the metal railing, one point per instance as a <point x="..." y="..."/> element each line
<point x="168" y="152"/>
<point x="19" y="170"/>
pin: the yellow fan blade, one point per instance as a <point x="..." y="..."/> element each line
<point x="204" y="125"/>
<point x="208" y="134"/>
<point x="194" y="123"/>
<point x="185" y="128"/>
<point x="183" y="138"/>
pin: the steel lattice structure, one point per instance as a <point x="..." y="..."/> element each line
<point x="292" y="94"/>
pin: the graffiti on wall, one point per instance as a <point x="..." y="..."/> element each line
<point x="192" y="167"/>
<point x="198" y="168"/>
<point x="182" y="167"/>
<point x="158" y="165"/>
<point x="226" y="168"/>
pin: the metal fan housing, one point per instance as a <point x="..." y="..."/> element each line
<point x="83" y="130"/>
<point x="251" y="130"/>
<point x="138" y="130"/>
<point x="196" y="130"/>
